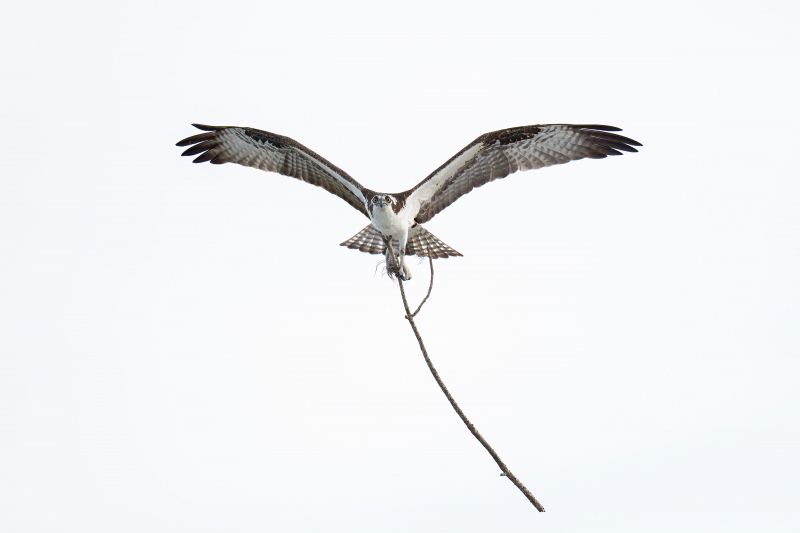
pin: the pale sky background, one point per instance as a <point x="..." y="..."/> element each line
<point x="186" y="348"/>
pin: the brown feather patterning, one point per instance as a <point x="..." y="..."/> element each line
<point x="421" y="242"/>
<point x="273" y="153"/>
<point x="497" y="154"/>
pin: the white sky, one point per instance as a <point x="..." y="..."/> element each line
<point x="186" y="348"/>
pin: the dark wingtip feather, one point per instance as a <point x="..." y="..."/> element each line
<point x="208" y="128"/>
<point x="615" y="141"/>
<point x="202" y="158"/>
<point x="194" y="139"/>
<point x="197" y="148"/>
<point x="611" y="151"/>
<point x="602" y="127"/>
<point x="599" y="127"/>
<point x="627" y="140"/>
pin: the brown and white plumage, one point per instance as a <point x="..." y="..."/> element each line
<point x="395" y="228"/>
<point x="497" y="154"/>
<point x="421" y="242"/>
<point x="273" y="153"/>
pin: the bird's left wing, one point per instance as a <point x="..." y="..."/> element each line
<point x="273" y="153"/>
<point x="497" y="154"/>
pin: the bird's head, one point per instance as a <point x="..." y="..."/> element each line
<point x="382" y="201"/>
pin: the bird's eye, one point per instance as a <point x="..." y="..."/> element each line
<point x="374" y="199"/>
<point x="388" y="199"/>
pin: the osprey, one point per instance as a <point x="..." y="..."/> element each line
<point x="395" y="228"/>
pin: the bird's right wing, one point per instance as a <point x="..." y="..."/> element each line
<point x="273" y="153"/>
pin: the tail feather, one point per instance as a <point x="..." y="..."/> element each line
<point x="367" y="240"/>
<point x="421" y="242"/>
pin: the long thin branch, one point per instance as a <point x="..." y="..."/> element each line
<point x="430" y="288"/>
<point x="505" y="471"/>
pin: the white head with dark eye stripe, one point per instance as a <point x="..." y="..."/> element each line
<point x="382" y="201"/>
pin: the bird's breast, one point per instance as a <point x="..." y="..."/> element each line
<point x="387" y="221"/>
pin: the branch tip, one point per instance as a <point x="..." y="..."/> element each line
<point x="505" y="471"/>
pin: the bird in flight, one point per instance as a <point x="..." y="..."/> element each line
<point x="396" y="219"/>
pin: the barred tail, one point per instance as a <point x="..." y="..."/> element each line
<point x="421" y="242"/>
<point x="367" y="240"/>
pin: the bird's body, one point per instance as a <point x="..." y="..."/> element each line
<point x="396" y="220"/>
<point x="392" y="225"/>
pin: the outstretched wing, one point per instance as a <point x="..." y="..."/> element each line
<point x="497" y="154"/>
<point x="273" y="153"/>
